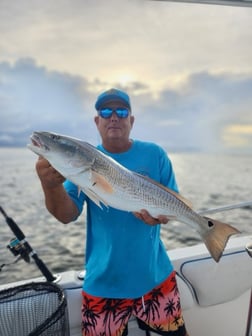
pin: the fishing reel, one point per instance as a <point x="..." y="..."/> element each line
<point x="18" y="248"/>
<point x="21" y="249"/>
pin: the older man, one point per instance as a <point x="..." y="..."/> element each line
<point x="128" y="271"/>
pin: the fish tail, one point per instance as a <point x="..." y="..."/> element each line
<point x="217" y="237"/>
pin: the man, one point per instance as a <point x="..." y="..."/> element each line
<point x="127" y="267"/>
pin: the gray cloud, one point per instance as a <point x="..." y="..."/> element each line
<point x="34" y="98"/>
<point x="192" y="116"/>
<point x="179" y="53"/>
<point x="195" y="115"/>
<point x="153" y="40"/>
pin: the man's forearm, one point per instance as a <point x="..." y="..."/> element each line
<point x="59" y="204"/>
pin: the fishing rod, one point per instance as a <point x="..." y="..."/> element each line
<point x="20" y="248"/>
<point x="225" y="208"/>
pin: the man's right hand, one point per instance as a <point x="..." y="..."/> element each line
<point x="57" y="201"/>
<point x="49" y="177"/>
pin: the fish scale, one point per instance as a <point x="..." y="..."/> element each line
<point x="137" y="187"/>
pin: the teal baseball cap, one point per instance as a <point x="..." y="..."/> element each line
<point x="112" y="95"/>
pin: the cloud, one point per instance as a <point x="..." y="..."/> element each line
<point x="34" y="98"/>
<point x="195" y="115"/>
<point x="155" y="41"/>
<point x="192" y="116"/>
<point x="187" y="68"/>
<point x="238" y="136"/>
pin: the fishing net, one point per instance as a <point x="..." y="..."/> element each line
<point x="33" y="309"/>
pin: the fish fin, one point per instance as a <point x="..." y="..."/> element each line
<point x="180" y="197"/>
<point x="100" y="181"/>
<point x="217" y="237"/>
<point x="174" y="193"/>
<point x="93" y="196"/>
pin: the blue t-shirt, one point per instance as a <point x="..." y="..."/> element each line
<point x="125" y="258"/>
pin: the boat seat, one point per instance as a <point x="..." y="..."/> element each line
<point x="187" y="299"/>
<point x="214" y="283"/>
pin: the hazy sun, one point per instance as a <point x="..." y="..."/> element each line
<point x="124" y="79"/>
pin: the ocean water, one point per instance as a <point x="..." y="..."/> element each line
<point x="207" y="180"/>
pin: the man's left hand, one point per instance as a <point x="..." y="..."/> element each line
<point x="148" y="219"/>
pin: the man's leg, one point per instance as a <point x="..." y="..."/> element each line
<point x="101" y="316"/>
<point x="160" y="311"/>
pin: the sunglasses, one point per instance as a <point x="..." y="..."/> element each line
<point x="107" y="112"/>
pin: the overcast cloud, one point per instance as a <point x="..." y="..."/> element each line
<point x="186" y="67"/>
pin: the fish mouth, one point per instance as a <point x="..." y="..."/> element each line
<point x="37" y="142"/>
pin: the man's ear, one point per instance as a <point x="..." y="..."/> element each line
<point x="96" y="120"/>
<point x="132" y="119"/>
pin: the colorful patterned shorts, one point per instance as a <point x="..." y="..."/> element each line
<point x="158" y="311"/>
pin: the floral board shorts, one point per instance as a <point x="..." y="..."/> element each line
<point x="158" y="310"/>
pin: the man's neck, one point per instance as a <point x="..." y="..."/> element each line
<point x="117" y="146"/>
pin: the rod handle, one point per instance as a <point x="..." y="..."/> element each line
<point x="43" y="268"/>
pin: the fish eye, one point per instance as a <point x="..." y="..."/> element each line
<point x="55" y="137"/>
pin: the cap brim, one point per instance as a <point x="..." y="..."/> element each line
<point x="110" y="98"/>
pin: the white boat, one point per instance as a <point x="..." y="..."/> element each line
<point x="215" y="297"/>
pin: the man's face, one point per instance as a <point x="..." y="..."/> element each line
<point x="114" y="127"/>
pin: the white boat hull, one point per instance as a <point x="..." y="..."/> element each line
<point x="214" y="296"/>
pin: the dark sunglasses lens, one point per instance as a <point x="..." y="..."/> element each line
<point x="120" y="112"/>
<point x="106" y="113"/>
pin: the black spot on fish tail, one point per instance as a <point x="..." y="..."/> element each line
<point x="210" y="224"/>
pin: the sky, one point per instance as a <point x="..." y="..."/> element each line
<point x="186" y="67"/>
